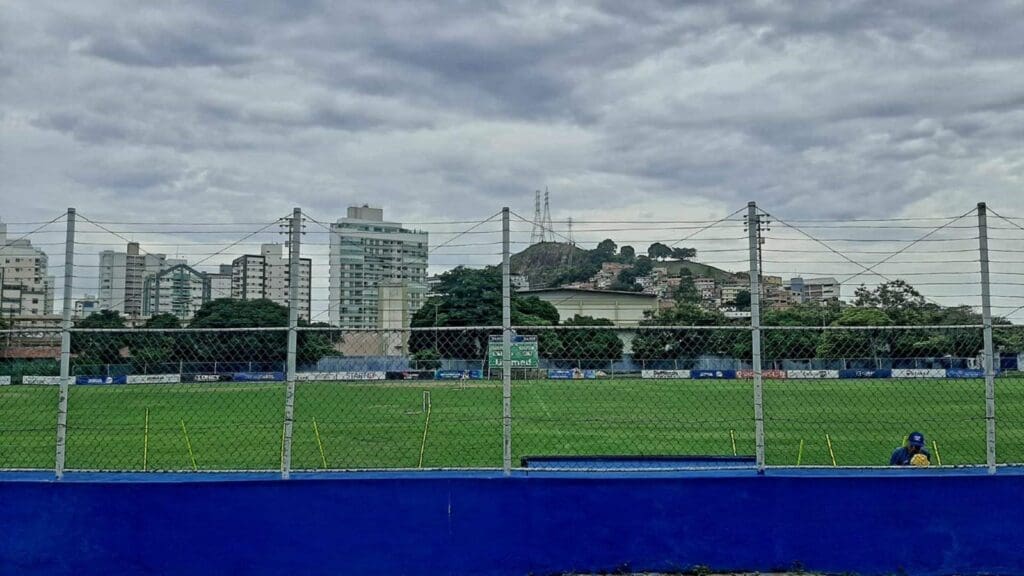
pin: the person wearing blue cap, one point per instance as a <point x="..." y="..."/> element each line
<point x="904" y="455"/>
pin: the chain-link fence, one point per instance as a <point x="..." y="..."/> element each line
<point x="212" y="400"/>
<point x="206" y="360"/>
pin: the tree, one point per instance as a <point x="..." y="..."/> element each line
<point x="858" y="343"/>
<point x="659" y="251"/>
<point x="251" y="346"/>
<point x="426" y="359"/>
<point x="627" y="253"/>
<point x="590" y="348"/>
<point x="164" y="321"/>
<point x="684" y="253"/>
<point x="472" y="297"/>
<point x="102" y="319"/>
<point x="94" y="349"/>
<point x="894" y="295"/>
<point x="607" y="248"/>
<point x="742" y="300"/>
<point x="654" y="343"/>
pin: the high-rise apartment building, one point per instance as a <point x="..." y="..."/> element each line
<point x="122" y="276"/>
<point x="26" y="288"/>
<point x="365" y="253"/>
<point x="220" y="282"/>
<point x="265" y="276"/>
<point x="179" y="290"/>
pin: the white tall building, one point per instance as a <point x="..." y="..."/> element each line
<point x="366" y="252"/>
<point x="179" y="290"/>
<point x="26" y="288"/>
<point x="122" y="276"/>
<point x="220" y="282"/>
<point x="265" y="276"/>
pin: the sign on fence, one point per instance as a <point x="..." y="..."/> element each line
<point x="665" y="374"/>
<point x="772" y="374"/>
<point x="574" y="374"/>
<point x="965" y="373"/>
<point x="713" y="374"/>
<point x="340" y="376"/>
<point x="258" y="376"/>
<point x="46" y="380"/>
<point x="523" y="350"/>
<point x="205" y="377"/>
<point x="154" y="378"/>
<point x="813" y="374"/>
<point x="5" y="380"/>
<point x="866" y="373"/>
<point x="459" y="374"/>
<point x="89" y="380"/>
<point x="409" y="375"/>
<point x="919" y="373"/>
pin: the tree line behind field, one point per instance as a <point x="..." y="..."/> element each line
<point x="472" y="297"/>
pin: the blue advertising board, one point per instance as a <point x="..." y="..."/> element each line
<point x="866" y="373"/>
<point x="713" y="374"/>
<point x="89" y="380"/>
<point x="459" y="375"/>
<point x="965" y="373"/>
<point x="572" y="374"/>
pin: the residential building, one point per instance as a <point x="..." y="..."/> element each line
<point x="221" y="282"/>
<point x="26" y="288"/>
<point x="179" y="290"/>
<point x="607" y="275"/>
<point x="365" y="252"/>
<point x="815" y="289"/>
<point x="707" y="288"/>
<point x="266" y="276"/>
<point x="86" y="306"/>
<point x="729" y="292"/>
<point x="394" y="315"/>
<point x="122" y="276"/>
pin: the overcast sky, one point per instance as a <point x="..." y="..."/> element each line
<point x="237" y="111"/>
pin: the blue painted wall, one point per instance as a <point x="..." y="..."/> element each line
<point x="436" y="523"/>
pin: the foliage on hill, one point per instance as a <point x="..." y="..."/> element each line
<point x="549" y="264"/>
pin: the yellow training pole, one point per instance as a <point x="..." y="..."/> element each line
<point x="316" y="431"/>
<point x="800" y="454"/>
<point x="935" y="447"/>
<point x="282" y="447"/>
<point x="830" y="452"/>
<point x="732" y="435"/>
<point x="145" y="444"/>
<point x="189" y="444"/>
<point x="426" y="425"/>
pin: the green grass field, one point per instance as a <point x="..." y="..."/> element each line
<point x="382" y="424"/>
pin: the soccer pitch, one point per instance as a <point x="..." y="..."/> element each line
<point x="238" y="426"/>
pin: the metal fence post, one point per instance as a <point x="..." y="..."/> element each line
<point x="295" y="235"/>
<point x="65" y="346"/>
<point x="986" y="315"/>
<point x="754" y="238"/>
<point x="506" y="346"/>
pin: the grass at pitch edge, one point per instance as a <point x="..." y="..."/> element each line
<point x="238" y="426"/>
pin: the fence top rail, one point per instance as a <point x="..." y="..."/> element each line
<point x="921" y="327"/>
<point x="431" y="329"/>
<point x="179" y="330"/>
